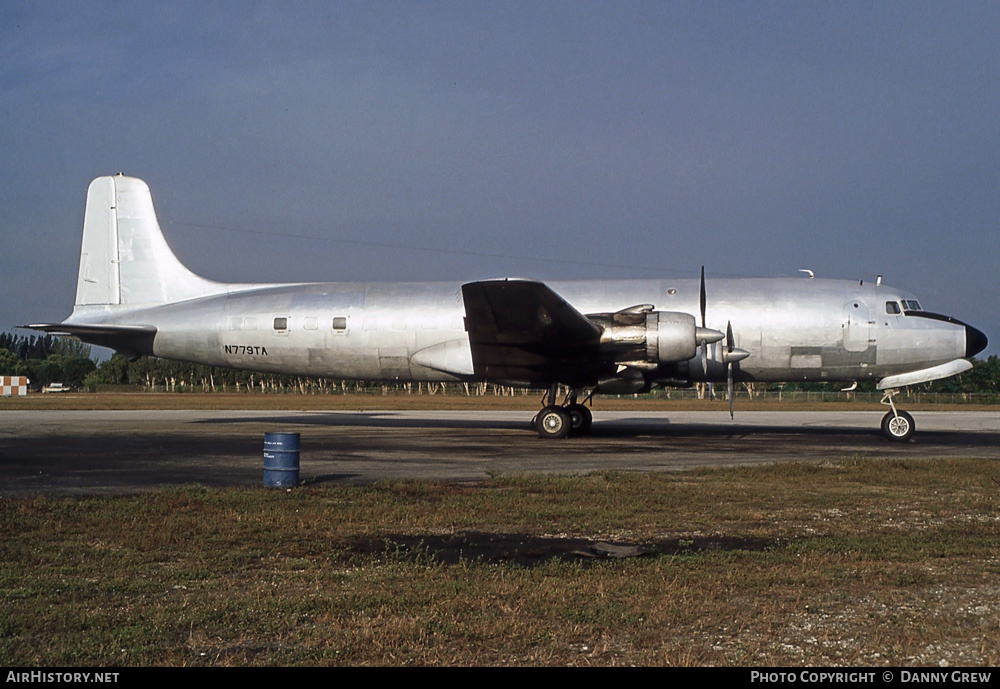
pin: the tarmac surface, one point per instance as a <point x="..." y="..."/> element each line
<point x="107" y="452"/>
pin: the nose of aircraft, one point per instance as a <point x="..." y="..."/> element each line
<point x="975" y="341"/>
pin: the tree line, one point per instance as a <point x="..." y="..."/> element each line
<point x="45" y="359"/>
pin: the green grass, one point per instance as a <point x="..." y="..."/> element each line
<point x="857" y="562"/>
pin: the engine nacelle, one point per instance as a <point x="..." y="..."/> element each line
<point x="671" y="336"/>
<point x="628" y="382"/>
<point x="639" y="334"/>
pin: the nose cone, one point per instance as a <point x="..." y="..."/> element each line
<point x="975" y="341"/>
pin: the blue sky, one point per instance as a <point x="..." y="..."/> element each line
<point x="316" y="141"/>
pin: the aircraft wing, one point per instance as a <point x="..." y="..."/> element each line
<point x="522" y="331"/>
<point x="131" y="340"/>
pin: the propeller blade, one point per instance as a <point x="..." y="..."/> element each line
<point x="733" y="363"/>
<point x="702" y="300"/>
<point x="703" y="297"/>
<point x="729" y="390"/>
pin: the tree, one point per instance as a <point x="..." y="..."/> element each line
<point x="76" y="369"/>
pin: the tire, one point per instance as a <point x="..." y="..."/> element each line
<point x="898" y="427"/>
<point x="580" y="419"/>
<point x="553" y="422"/>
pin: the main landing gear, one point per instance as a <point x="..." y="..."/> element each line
<point x="896" y="424"/>
<point x="560" y="420"/>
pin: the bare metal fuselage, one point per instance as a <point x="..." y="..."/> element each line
<point x="795" y="329"/>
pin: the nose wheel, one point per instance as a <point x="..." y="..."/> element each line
<point x="896" y="424"/>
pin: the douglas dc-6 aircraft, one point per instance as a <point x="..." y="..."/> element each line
<point x="608" y="336"/>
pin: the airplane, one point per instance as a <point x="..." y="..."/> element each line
<point x="587" y="337"/>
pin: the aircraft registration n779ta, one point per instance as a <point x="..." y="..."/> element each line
<point x="617" y="336"/>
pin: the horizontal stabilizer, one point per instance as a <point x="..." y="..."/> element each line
<point x="130" y="340"/>
<point x="925" y="375"/>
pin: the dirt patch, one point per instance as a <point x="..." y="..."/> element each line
<point x="529" y="550"/>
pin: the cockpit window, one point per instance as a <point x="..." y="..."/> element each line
<point x="892" y="308"/>
<point x="911" y="305"/>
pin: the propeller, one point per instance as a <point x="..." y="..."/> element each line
<point x="703" y="340"/>
<point x="732" y="365"/>
<point x="703" y="298"/>
<point x="732" y="354"/>
<point x="732" y="358"/>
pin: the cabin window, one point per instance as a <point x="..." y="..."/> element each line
<point x="310" y="323"/>
<point x="281" y="324"/>
<point x="340" y="323"/>
<point x="249" y="323"/>
<point x="892" y="308"/>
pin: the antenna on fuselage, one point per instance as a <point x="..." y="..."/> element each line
<point x="807" y="272"/>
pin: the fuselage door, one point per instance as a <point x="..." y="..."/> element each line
<point x="857" y="328"/>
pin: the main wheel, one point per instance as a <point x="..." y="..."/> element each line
<point x="580" y="419"/>
<point x="898" y="426"/>
<point x="553" y="422"/>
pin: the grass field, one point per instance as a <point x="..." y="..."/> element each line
<point x="861" y="561"/>
<point x="856" y="562"/>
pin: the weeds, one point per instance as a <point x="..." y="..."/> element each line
<point x="862" y="562"/>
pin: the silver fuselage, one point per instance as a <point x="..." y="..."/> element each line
<point x="795" y="329"/>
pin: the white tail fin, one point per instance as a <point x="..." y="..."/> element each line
<point x="125" y="260"/>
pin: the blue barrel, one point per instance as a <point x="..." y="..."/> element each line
<point x="281" y="460"/>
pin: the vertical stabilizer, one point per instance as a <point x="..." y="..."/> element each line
<point x="125" y="261"/>
<point x="98" y="279"/>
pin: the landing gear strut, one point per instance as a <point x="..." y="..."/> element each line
<point x="896" y="424"/>
<point x="560" y="420"/>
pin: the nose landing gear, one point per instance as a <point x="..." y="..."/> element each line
<point x="896" y="424"/>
